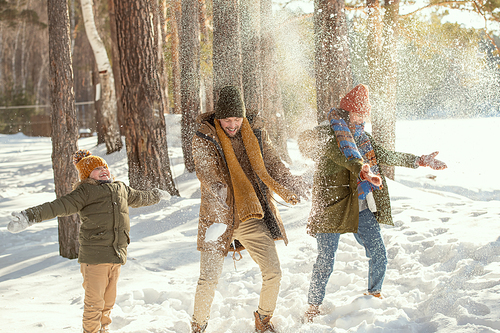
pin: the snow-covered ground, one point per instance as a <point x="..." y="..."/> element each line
<point x="444" y="250"/>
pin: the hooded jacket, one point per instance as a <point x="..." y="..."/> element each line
<point x="211" y="169"/>
<point x="335" y="205"/>
<point x="104" y="215"/>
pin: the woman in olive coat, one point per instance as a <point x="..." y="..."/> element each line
<point x="350" y="192"/>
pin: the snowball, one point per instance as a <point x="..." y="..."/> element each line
<point x="214" y="231"/>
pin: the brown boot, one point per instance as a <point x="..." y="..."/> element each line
<point x="196" y="328"/>
<point x="263" y="323"/>
<point x="311" y="313"/>
<point x="375" y="294"/>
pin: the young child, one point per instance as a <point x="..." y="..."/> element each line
<point x="102" y="204"/>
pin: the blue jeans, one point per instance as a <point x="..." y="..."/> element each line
<point x="369" y="237"/>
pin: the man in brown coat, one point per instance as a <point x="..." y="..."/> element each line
<point x="239" y="171"/>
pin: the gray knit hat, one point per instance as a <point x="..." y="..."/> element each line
<point x="229" y="104"/>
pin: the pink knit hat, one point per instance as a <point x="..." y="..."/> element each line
<point x="356" y="100"/>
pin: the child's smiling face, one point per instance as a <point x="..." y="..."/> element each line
<point x="100" y="173"/>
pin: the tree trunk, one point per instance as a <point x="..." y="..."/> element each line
<point x="145" y="131"/>
<point x="190" y="77"/>
<point x="381" y="54"/>
<point x="250" y="56"/>
<point x="64" y="122"/>
<point x="159" y="38"/>
<point x="226" y="45"/>
<point x="23" y="56"/>
<point x="15" y="51"/>
<point x="272" y="107"/>
<point x="101" y="136"/>
<point x="385" y="128"/>
<point x="116" y="65"/>
<point x="374" y="51"/>
<point x="207" y="84"/>
<point x="2" y="83"/>
<point x="109" y="119"/>
<point x="175" y="21"/>
<point x="332" y="58"/>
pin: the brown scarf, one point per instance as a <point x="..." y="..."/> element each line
<point x="246" y="200"/>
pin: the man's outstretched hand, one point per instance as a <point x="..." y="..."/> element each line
<point x="431" y="162"/>
<point x="368" y="175"/>
<point x="301" y="188"/>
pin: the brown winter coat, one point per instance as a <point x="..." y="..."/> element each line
<point x="105" y="223"/>
<point x="335" y="206"/>
<point x="211" y="168"/>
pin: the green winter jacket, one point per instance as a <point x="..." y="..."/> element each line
<point x="103" y="209"/>
<point x="335" y="206"/>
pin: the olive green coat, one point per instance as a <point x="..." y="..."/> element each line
<point x="105" y="223"/>
<point x="335" y="206"/>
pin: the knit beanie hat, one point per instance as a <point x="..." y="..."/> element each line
<point x="229" y="104"/>
<point x="85" y="163"/>
<point x="356" y="100"/>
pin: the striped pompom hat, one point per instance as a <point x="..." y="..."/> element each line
<point x="85" y="163"/>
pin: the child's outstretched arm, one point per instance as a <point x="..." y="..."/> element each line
<point x="19" y="222"/>
<point x="68" y="204"/>
<point x="138" y="198"/>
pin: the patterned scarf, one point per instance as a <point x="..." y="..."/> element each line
<point x="355" y="144"/>
<point x="246" y="200"/>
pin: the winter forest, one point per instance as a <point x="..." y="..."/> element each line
<point x="127" y="79"/>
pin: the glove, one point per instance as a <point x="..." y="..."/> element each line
<point x="368" y="175"/>
<point x="220" y="191"/>
<point x="19" y="222"/>
<point x="164" y="195"/>
<point x="430" y="161"/>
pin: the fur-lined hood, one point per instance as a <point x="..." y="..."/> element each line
<point x="90" y="181"/>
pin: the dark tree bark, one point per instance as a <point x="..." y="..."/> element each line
<point x="190" y="77"/>
<point x="332" y="58"/>
<point x="175" y="21"/>
<point x="64" y="122"/>
<point x="226" y="45"/>
<point x="145" y="131"/>
<point x="272" y="107"/>
<point x="250" y="55"/>
<point x="115" y="65"/>
<point x="159" y="38"/>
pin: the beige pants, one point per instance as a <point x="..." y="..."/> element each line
<point x="257" y="240"/>
<point x="99" y="282"/>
